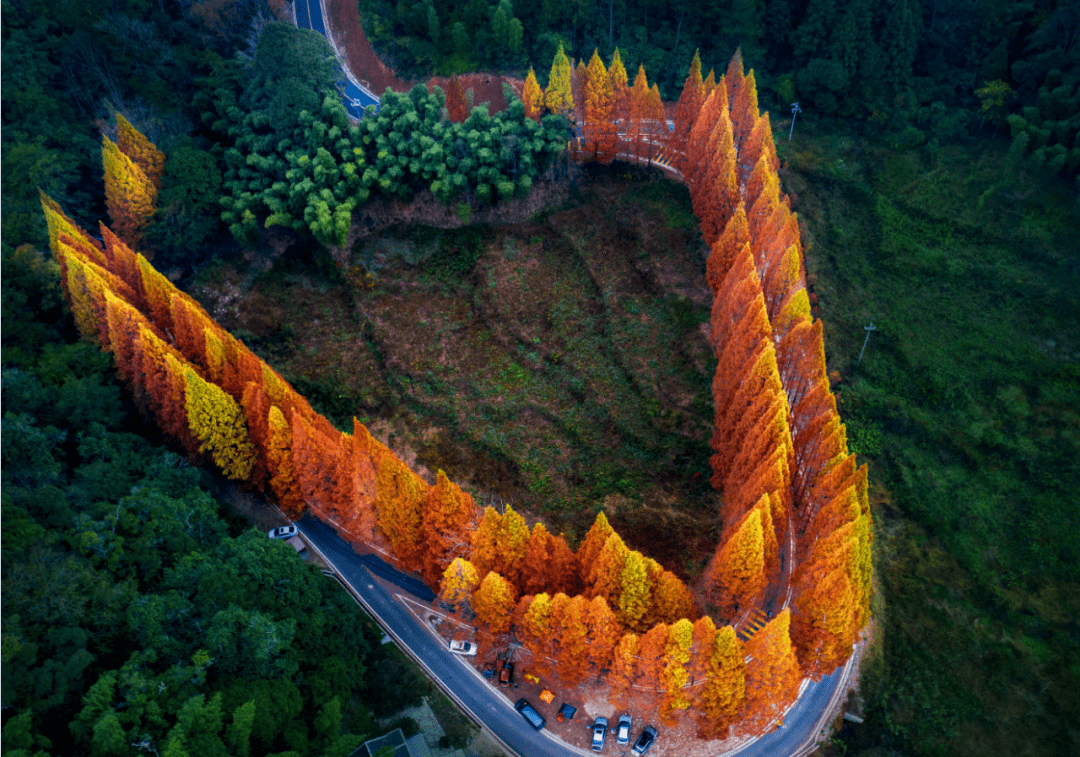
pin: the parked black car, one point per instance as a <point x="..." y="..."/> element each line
<point x="644" y="741"/>
<point x="529" y="714"/>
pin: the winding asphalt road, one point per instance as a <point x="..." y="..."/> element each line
<point x="483" y="702"/>
<point x="309" y="15"/>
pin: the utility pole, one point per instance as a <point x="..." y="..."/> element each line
<point x="869" y="328"/>
<point x="795" y="110"/>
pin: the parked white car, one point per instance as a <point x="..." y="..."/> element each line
<point x="284" y="532"/>
<point x="463" y="647"/>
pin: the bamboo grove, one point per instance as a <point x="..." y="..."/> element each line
<point x="797" y="528"/>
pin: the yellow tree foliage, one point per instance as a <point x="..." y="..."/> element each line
<point x="624" y="669"/>
<point x="736" y="576"/>
<point x="639" y="130"/>
<point x="592" y="544"/>
<point x="459" y="581"/>
<point x="617" y="76"/>
<point x="532" y="97"/>
<point x="772" y="675"/>
<point x="217" y="421"/>
<point x="634" y="594"/>
<point x="58" y="223"/>
<point x="823" y="627"/>
<point x="140" y="149"/>
<point x="493" y="602"/>
<point x="447" y="517"/>
<point x="163" y="369"/>
<point x="679" y="643"/>
<point x="605" y="579"/>
<point x="604" y="634"/>
<point x="130" y="195"/>
<point x="710" y="82"/>
<point x="511" y="542"/>
<point x="724" y="693"/>
<point x="536" y="631"/>
<point x="557" y="96"/>
<point x="158" y="291"/>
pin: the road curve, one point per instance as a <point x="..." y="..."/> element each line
<point x="484" y="703"/>
<point x="356" y="97"/>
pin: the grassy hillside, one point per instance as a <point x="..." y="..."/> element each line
<point x="965" y="404"/>
<point x="560" y="365"/>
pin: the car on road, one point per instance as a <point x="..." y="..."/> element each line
<point x="644" y="741"/>
<point x="530" y="714"/>
<point x="466" y="648"/>
<point x="622" y="730"/>
<point x="284" y="532"/>
<point x="506" y="676"/>
<point x="599" y="734"/>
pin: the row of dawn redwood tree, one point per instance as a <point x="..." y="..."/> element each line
<point x="604" y="612"/>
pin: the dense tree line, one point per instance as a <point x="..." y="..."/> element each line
<point x="136" y="616"/>
<point x="948" y="67"/>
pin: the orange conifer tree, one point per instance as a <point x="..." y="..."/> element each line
<point x="591" y="545"/>
<point x="256" y="406"/>
<point x="599" y="112"/>
<point x="573" y="641"/>
<point x="701" y="652"/>
<point x="772" y="675"/>
<point x="672" y="599"/>
<point x="639" y="134"/>
<point x="686" y="111"/>
<point x="736" y="576"/>
<point x="727" y="248"/>
<point x="652" y="660"/>
<point x="447" y="519"/>
<point x="619" y="86"/>
<point x="401" y="496"/>
<point x="624" y="669"/>
<point x="457" y="106"/>
<point x="532" y="97"/>
<point x="604" y="634"/>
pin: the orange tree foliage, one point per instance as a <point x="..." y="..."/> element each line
<point x="677" y="655"/>
<point x="686" y="111"/>
<point x="485" y="541"/>
<point x="401" y="496"/>
<point x="457" y="105"/>
<point x="723" y="694"/>
<point x="591" y="545"/>
<point x="604" y="634"/>
<point x="447" y="519"/>
<point x="532" y="97"/>
<point x="548" y="565"/>
<point x="672" y="599"/>
<point x="459" y="581"/>
<point x="735" y="577"/>
<point x="624" y="669"/>
<point x="701" y="650"/>
<point x="256" y="407"/>
<point x="493" y="602"/>
<point x="573" y="633"/>
<point x="638" y="130"/>
<point x="605" y="577"/>
<point x="652" y="660"/>
<point x="599" y="107"/>
<point x="772" y="675"/>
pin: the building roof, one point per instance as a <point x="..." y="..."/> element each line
<point x="413" y="747"/>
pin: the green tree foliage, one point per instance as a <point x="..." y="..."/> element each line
<point x="133" y="612"/>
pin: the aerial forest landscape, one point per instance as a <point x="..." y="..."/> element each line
<point x="711" y="364"/>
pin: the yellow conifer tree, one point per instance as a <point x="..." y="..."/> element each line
<point x="217" y="421"/>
